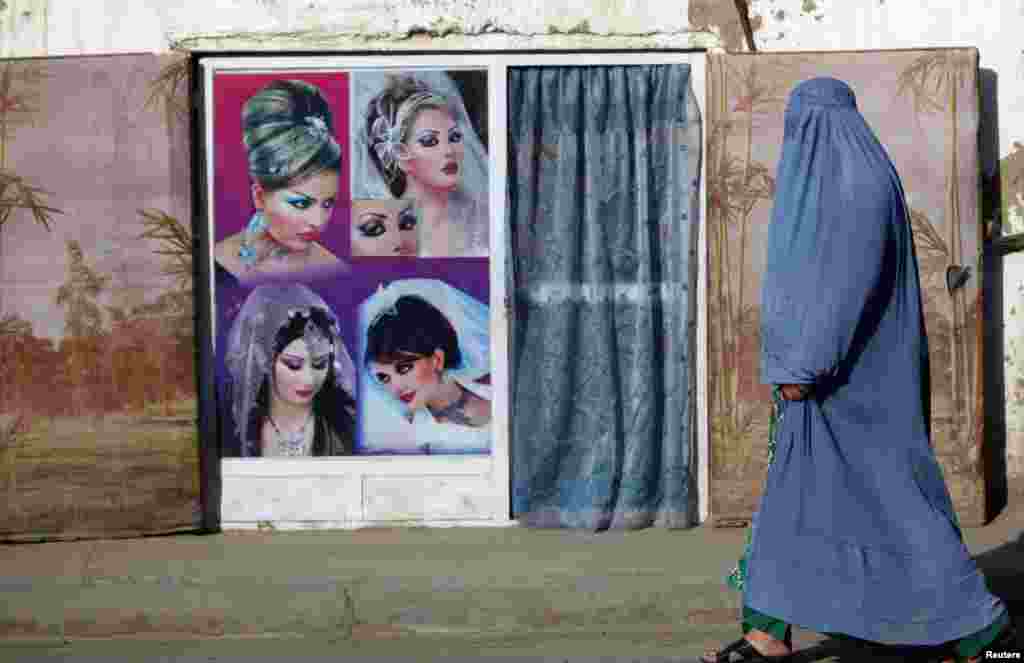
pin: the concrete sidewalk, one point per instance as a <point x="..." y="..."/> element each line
<point x="412" y="594"/>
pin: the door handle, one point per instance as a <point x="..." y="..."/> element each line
<point x="956" y="277"/>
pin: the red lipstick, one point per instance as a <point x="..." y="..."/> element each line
<point x="450" y="168"/>
<point x="310" y="235"/>
<point x="407" y="398"/>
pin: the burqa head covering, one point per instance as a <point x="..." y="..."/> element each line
<point x="838" y="239"/>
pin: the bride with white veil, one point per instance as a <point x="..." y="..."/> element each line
<point x="424" y="370"/>
<point x="412" y="138"/>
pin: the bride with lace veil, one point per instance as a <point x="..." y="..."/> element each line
<point x="289" y="381"/>
<point x="412" y="138"/>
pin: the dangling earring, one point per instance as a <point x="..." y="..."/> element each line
<point x="257" y="226"/>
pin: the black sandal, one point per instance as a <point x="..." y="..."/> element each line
<point x="742" y="651"/>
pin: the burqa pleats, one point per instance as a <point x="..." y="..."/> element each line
<point x="856" y="532"/>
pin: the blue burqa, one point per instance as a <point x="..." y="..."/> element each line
<point x="856" y="532"/>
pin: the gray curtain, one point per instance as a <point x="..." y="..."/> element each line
<point x="602" y="190"/>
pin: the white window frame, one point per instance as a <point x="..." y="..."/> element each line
<point x="286" y="484"/>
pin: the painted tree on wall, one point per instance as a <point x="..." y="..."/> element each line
<point x="738" y="405"/>
<point x="13" y="333"/>
<point x="741" y="93"/>
<point x="20" y="101"/>
<point x="934" y="81"/>
<point x="111" y="401"/>
<point x="83" y="322"/>
<point x="169" y="91"/>
<point x="19" y="104"/>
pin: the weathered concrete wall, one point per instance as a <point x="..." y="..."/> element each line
<point x="55" y="27"/>
<point x="52" y="27"/>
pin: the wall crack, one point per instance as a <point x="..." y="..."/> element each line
<point x="313" y="37"/>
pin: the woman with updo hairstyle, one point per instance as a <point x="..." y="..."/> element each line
<point x="425" y="361"/>
<point x="294" y="166"/>
<point x="421" y="144"/>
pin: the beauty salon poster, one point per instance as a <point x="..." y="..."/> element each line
<point x="349" y="227"/>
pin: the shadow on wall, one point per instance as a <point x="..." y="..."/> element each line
<point x="993" y="452"/>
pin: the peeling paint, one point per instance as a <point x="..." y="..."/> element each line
<point x="442" y="27"/>
<point x="582" y="28"/>
<point x="493" y="39"/>
<point x="65" y="29"/>
<point x="387" y="25"/>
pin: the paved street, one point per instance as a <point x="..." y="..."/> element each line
<point x="405" y="594"/>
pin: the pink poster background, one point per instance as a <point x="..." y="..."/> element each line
<point x="232" y="186"/>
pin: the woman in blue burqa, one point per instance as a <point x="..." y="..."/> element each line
<point x="856" y="533"/>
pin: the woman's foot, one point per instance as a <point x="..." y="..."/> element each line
<point x="763" y="644"/>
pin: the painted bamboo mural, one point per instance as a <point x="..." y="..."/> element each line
<point x="20" y="103"/>
<point x="936" y="81"/>
<point x="98" y="433"/>
<point x="910" y="98"/>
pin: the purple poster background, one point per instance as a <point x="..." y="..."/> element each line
<point x="345" y="294"/>
<point x="232" y="186"/>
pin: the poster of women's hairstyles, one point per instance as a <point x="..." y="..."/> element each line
<point x="280" y="172"/>
<point x="349" y="228"/>
<point x="418" y="144"/>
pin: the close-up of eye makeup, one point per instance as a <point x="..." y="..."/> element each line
<point x="384" y="228"/>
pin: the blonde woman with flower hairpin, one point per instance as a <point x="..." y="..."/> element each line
<point x="416" y="142"/>
<point x="294" y="165"/>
